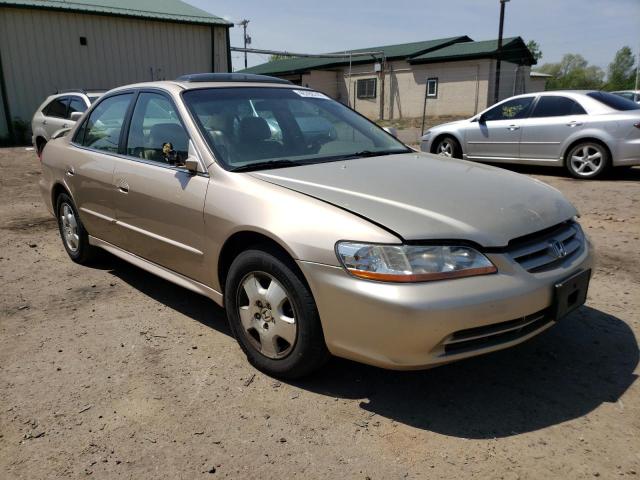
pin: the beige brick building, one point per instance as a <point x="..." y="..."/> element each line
<point x="449" y="77"/>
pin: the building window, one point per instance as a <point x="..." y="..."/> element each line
<point x="366" y="88"/>
<point x="432" y="87"/>
<point x="83" y="41"/>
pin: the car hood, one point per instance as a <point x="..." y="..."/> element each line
<point x="422" y="197"/>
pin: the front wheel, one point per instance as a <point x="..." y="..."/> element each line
<point x="448" y="147"/>
<point x="74" y="236"/>
<point x="273" y="315"/>
<point x="587" y="160"/>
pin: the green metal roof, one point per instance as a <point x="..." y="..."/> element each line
<point x="513" y="49"/>
<point x="168" y="10"/>
<point x="391" y="52"/>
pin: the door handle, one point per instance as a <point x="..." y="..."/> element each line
<point x="513" y="127"/>
<point x="123" y="186"/>
<point x="574" y="124"/>
<point x="64" y="125"/>
<point x="70" y="171"/>
<point x="44" y="122"/>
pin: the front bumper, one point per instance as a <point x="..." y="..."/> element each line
<point x="413" y="326"/>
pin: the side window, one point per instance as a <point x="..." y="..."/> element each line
<point x="156" y="132"/>
<point x="76" y="104"/>
<point x="366" y="88"/>
<point x="510" y="110"/>
<point x="552" y="106"/>
<point x="57" y="107"/>
<point x="432" y="87"/>
<point x="102" y="129"/>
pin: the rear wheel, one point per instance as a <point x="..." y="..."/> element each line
<point x="273" y="315"/>
<point x="587" y="160"/>
<point x="448" y="147"/>
<point x="74" y="236"/>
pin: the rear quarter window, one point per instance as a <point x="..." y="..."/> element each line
<point x="614" y="101"/>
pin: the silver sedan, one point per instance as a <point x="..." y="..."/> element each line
<point x="585" y="131"/>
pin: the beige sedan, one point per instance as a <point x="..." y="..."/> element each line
<point x="319" y="232"/>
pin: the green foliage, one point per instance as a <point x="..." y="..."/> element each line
<point x="534" y="48"/>
<point x="622" y="73"/>
<point x="276" y="57"/>
<point x="573" y="72"/>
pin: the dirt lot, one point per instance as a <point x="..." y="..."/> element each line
<point x="113" y="373"/>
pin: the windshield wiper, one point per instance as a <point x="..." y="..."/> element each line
<point x="371" y="153"/>
<point x="266" y="165"/>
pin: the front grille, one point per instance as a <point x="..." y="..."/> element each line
<point x="487" y="336"/>
<point x="536" y="253"/>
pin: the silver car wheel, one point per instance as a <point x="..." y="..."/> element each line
<point x="445" y="148"/>
<point x="267" y="315"/>
<point x="587" y="160"/>
<point x="69" y="225"/>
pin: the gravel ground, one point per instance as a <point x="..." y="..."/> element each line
<point x="111" y="372"/>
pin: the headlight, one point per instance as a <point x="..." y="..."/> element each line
<point x="409" y="263"/>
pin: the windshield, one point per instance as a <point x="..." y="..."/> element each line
<point x="614" y="101"/>
<point x="256" y="128"/>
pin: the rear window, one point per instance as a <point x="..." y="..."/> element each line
<point x="56" y="108"/>
<point x="555" y="106"/>
<point x="614" y="101"/>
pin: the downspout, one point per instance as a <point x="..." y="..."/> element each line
<point x="229" y="65"/>
<point x="213" y="49"/>
<point x="477" y="88"/>
<point x="5" y="104"/>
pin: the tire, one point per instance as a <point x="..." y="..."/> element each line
<point x="72" y="232"/>
<point x="40" y="144"/>
<point x="587" y="160"/>
<point x="448" y="146"/>
<point x="273" y="315"/>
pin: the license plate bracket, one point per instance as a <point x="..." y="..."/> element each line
<point x="570" y="294"/>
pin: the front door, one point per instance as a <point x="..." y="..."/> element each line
<point x="495" y="136"/>
<point x="90" y="164"/>
<point x="159" y="204"/>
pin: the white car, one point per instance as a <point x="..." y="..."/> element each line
<point x="633" y="95"/>
<point x="57" y="112"/>
<point x="584" y="131"/>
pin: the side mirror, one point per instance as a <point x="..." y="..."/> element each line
<point x="391" y="131"/>
<point x="192" y="164"/>
<point x="482" y="118"/>
<point x="75" y="116"/>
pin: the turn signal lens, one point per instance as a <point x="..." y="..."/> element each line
<point x="412" y="263"/>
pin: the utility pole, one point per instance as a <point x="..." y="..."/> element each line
<point x="247" y="39"/>
<point x="496" y="92"/>
<point x="638" y="69"/>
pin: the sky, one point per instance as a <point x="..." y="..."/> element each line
<point x="596" y="29"/>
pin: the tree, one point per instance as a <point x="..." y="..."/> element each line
<point x="534" y="48"/>
<point x="573" y="72"/>
<point x="277" y="56"/>
<point x="622" y="73"/>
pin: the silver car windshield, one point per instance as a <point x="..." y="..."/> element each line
<point x="259" y="128"/>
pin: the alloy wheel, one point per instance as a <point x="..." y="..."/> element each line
<point x="69" y="225"/>
<point x="267" y="315"/>
<point x="587" y="160"/>
<point x="445" y="148"/>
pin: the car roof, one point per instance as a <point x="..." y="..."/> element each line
<point x="176" y="86"/>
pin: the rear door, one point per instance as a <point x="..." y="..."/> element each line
<point x="496" y="135"/>
<point x="159" y="204"/>
<point x="55" y="115"/>
<point x="90" y="165"/>
<point x="554" y="118"/>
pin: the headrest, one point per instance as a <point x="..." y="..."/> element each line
<point x="254" y="129"/>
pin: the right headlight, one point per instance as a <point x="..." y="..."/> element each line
<point x="412" y="263"/>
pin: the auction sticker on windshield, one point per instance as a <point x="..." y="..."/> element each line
<point x="311" y="94"/>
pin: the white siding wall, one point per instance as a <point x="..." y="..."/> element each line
<point x="41" y="52"/>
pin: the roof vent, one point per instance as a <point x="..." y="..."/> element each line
<point x="231" y="77"/>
